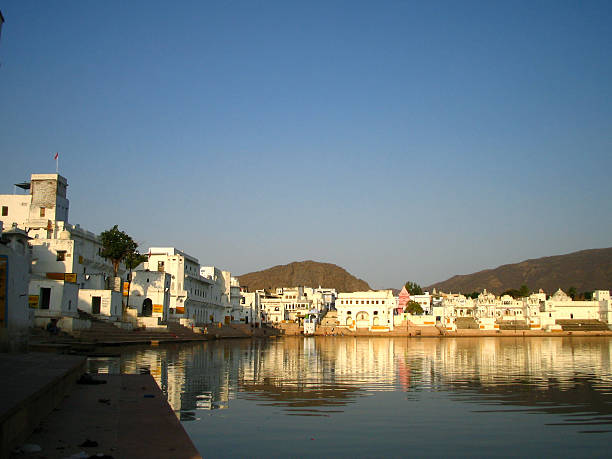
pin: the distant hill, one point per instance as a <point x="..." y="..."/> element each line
<point x="585" y="270"/>
<point x="304" y="273"/>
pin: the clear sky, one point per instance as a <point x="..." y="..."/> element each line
<point x="399" y="140"/>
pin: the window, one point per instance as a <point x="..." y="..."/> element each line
<point x="61" y="255"/>
<point x="160" y="266"/>
<point x="375" y="313"/>
<point x="42" y="211"/>
<point x="4" y="211"/>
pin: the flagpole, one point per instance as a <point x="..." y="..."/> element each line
<point x="57" y="163"/>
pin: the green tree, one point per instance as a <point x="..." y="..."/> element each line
<point x="472" y="295"/>
<point x="413" y="308"/>
<point x="588" y="296"/>
<point x="514" y="293"/>
<point x="414" y="288"/>
<point x="118" y="246"/>
<point x="133" y="259"/>
<point x="524" y="291"/>
<point x="571" y="292"/>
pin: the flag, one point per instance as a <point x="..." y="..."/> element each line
<point x="56" y="156"/>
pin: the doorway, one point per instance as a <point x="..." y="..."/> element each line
<point x="147" y="308"/>
<point x="96" y="301"/>
<point x="45" y="298"/>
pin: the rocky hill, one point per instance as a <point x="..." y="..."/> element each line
<point x="303" y="273"/>
<point x="586" y="270"/>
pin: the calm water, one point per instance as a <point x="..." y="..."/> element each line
<point x="386" y="397"/>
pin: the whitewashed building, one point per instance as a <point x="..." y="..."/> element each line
<point x="150" y="293"/>
<point x="272" y="307"/>
<point x="65" y="258"/>
<point x="251" y="307"/>
<point x="424" y="301"/>
<point x="220" y="305"/>
<point x="149" y="298"/>
<point x="198" y="294"/>
<point x="15" y="315"/>
<point x="602" y="297"/>
<point x="293" y="304"/>
<point x="560" y="306"/>
<point x="371" y="310"/>
<point x="190" y="292"/>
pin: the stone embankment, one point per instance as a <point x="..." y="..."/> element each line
<point x="104" y="333"/>
<point x="406" y="330"/>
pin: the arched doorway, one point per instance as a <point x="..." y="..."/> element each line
<point x="363" y="320"/>
<point x="147" y="308"/>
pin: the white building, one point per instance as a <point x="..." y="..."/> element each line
<point x="65" y="258"/>
<point x="272" y="308"/>
<point x="328" y="296"/>
<point x="561" y="307"/>
<point x="251" y="307"/>
<point x="424" y="301"/>
<point x="605" y="306"/>
<point x="149" y="293"/>
<point x="371" y="310"/>
<point x="15" y="315"/>
<point x="198" y="294"/>
<point x="293" y="304"/>
<point x="236" y="312"/>
<point x="220" y="306"/>
<point x="190" y="292"/>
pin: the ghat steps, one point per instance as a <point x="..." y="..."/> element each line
<point x="581" y="325"/>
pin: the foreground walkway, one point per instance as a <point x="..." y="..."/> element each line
<point x="42" y="406"/>
<point x="128" y="417"/>
<point x="31" y="385"/>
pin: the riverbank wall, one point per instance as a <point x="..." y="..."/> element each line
<point x="292" y="329"/>
<point x="104" y="334"/>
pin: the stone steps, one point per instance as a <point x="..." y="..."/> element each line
<point x="467" y="323"/>
<point x="513" y="325"/>
<point x="581" y="325"/>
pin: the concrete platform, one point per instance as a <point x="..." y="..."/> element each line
<point x="31" y="386"/>
<point x="128" y="417"/>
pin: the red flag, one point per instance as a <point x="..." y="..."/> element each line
<point x="56" y="156"/>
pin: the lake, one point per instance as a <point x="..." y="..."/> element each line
<point x="386" y="397"/>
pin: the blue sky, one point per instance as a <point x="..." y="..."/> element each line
<point x="399" y="140"/>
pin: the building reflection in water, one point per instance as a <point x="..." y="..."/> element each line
<point x="318" y="376"/>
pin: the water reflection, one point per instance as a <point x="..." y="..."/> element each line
<point x="566" y="377"/>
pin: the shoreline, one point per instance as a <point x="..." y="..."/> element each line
<point x="432" y="332"/>
<point x="74" y="345"/>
